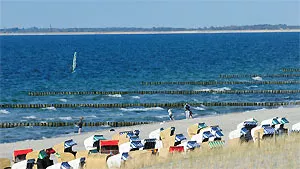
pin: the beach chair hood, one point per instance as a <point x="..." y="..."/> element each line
<point x="272" y="121"/>
<point x="89" y="142"/>
<point x="77" y="163"/>
<point x="25" y="164"/>
<point x="155" y="134"/>
<point x="296" y="127"/>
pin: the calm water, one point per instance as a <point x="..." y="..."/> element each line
<point x="121" y="62"/>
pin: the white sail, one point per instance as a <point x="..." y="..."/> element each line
<point x="74" y="62"/>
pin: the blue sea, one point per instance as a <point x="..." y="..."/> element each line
<point x="122" y="62"/>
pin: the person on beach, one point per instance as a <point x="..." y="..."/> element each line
<point x="80" y="123"/>
<point x="190" y="114"/>
<point x="187" y="107"/>
<point x="170" y="114"/>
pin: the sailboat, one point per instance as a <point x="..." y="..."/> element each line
<point x="74" y="62"/>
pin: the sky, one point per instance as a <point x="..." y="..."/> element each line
<point x="146" y="13"/>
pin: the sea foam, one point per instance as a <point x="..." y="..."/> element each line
<point x="114" y="95"/>
<point x="29" y="117"/>
<point x="142" y="109"/>
<point x="63" y="100"/>
<point x="4" y="111"/>
<point x="49" y="108"/>
<point x="65" y="118"/>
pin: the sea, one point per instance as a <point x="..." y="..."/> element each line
<point x="121" y="62"/>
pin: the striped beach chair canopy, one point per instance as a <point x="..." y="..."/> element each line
<point x="70" y="143"/>
<point x="65" y="165"/>
<point x="136" y="144"/>
<point x="125" y="156"/>
<point x="244" y="131"/>
<point x="207" y="134"/>
<point x="180" y="137"/>
<point x="201" y="125"/>
<point x="283" y="120"/>
<point x="98" y="137"/>
<point x="134" y="138"/>
<point x="272" y="121"/>
<point x="192" y="144"/>
<point x="268" y="130"/>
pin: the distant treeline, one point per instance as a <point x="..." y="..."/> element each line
<point x="153" y="29"/>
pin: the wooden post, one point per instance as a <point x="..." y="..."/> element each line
<point x="258" y="139"/>
<point x="274" y="137"/>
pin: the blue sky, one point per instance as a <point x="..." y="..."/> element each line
<point x="147" y="13"/>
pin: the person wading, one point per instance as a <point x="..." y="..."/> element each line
<point x="80" y="123"/>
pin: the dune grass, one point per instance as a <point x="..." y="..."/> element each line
<point x="282" y="153"/>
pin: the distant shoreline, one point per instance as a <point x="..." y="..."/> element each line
<point x="147" y="32"/>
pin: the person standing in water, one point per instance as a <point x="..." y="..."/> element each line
<point x="80" y="123"/>
<point x="170" y="114"/>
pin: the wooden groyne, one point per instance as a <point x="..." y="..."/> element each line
<point x="62" y="124"/>
<point x="163" y="92"/>
<point x="204" y="83"/>
<point x="169" y="105"/>
<point x="255" y="75"/>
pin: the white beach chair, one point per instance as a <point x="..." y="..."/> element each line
<point x="296" y="127"/>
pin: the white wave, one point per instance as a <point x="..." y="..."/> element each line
<point x="248" y="87"/>
<point x="136" y="97"/>
<point x="257" y="78"/>
<point x="204" y="90"/>
<point x="29" y="117"/>
<point x="92" y="116"/>
<point x="142" y="109"/>
<point x="65" y="118"/>
<point x="43" y="122"/>
<point x="162" y="116"/>
<point x="4" y="111"/>
<point x="49" y="108"/>
<point x="63" y="100"/>
<point x="49" y="118"/>
<point x="260" y="109"/>
<point x="221" y="89"/>
<point x="114" y="95"/>
<point x="199" y="108"/>
<point x="214" y="89"/>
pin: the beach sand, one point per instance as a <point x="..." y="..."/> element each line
<point x="227" y="122"/>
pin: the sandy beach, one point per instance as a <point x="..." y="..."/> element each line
<point x="149" y="32"/>
<point x="227" y="122"/>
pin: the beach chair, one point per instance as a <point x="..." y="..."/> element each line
<point x="156" y="134"/>
<point x="271" y="122"/>
<point x="234" y="137"/>
<point x="92" y="142"/>
<point x="255" y="131"/>
<point x="5" y="163"/>
<point x="62" y="165"/>
<point x="149" y="143"/>
<point x="195" y="129"/>
<point x="20" y="155"/>
<point x="24" y="164"/>
<point x="167" y="137"/>
<point x="109" y="147"/>
<point x="64" y="151"/>
<point x="118" y="160"/>
<point x="296" y="128"/>
<point x="78" y="163"/>
<point x="280" y="127"/>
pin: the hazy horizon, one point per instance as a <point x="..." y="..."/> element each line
<point x="146" y="14"/>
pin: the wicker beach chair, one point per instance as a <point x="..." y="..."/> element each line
<point x="5" y="163"/>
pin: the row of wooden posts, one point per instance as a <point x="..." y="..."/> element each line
<point x="62" y="124"/>
<point x="222" y="83"/>
<point x="163" y="92"/>
<point x="291" y="69"/>
<point x="169" y="105"/>
<point x="255" y="75"/>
